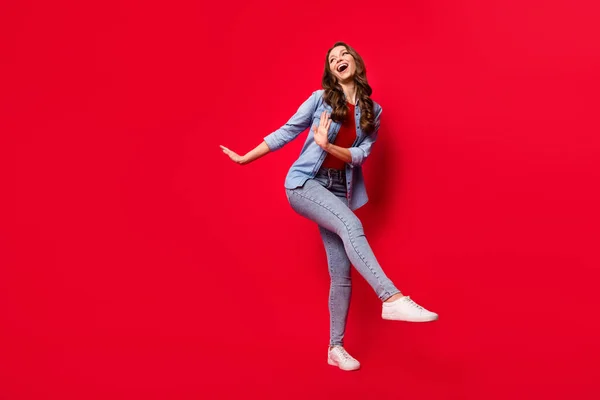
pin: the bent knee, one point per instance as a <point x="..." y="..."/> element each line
<point x="354" y="227"/>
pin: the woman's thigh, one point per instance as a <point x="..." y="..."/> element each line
<point x="320" y="205"/>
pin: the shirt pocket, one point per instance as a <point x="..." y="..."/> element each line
<point x="317" y="116"/>
<point x="316" y="119"/>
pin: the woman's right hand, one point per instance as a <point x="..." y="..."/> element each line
<point x="235" y="157"/>
<point x="321" y="130"/>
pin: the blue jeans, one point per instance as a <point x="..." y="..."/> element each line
<point x="323" y="200"/>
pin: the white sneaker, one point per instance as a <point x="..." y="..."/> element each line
<point x="339" y="357"/>
<point x="404" y="309"/>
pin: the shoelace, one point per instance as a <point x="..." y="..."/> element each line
<point x="344" y="354"/>
<point x="413" y="304"/>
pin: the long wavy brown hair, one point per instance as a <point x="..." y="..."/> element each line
<point x="334" y="94"/>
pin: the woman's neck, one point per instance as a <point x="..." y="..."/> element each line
<point x="349" y="91"/>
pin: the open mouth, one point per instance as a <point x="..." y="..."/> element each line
<point x="342" y="67"/>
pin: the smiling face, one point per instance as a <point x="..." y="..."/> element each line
<point x="341" y="64"/>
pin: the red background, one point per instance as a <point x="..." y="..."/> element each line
<point x="137" y="261"/>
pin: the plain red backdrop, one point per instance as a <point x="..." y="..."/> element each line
<point x="138" y="262"/>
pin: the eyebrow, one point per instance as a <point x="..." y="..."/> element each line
<point x="331" y="56"/>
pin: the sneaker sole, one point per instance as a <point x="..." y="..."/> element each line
<point x="331" y="362"/>
<point x="393" y="317"/>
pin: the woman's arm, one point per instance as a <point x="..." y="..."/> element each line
<point x="276" y="140"/>
<point x="296" y="124"/>
<point x="339" y="152"/>
<point x="321" y="139"/>
<point x="250" y="156"/>
<point x="355" y="156"/>
<point x="361" y="152"/>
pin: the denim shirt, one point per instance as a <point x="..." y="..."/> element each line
<point x="312" y="155"/>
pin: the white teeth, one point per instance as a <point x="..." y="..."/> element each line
<point x="341" y="65"/>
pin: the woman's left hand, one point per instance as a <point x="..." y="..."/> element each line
<point x="321" y="130"/>
<point x="235" y="157"/>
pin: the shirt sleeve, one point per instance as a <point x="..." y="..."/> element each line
<point x="361" y="152"/>
<point x="299" y="122"/>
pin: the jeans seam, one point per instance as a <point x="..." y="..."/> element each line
<point x="349" y="235"/>
<point x="331" y="328"/>
<point x="331" y="305"/>
<point x="336" y="337"/>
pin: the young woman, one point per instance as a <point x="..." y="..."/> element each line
<point x="326" y="185"/>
